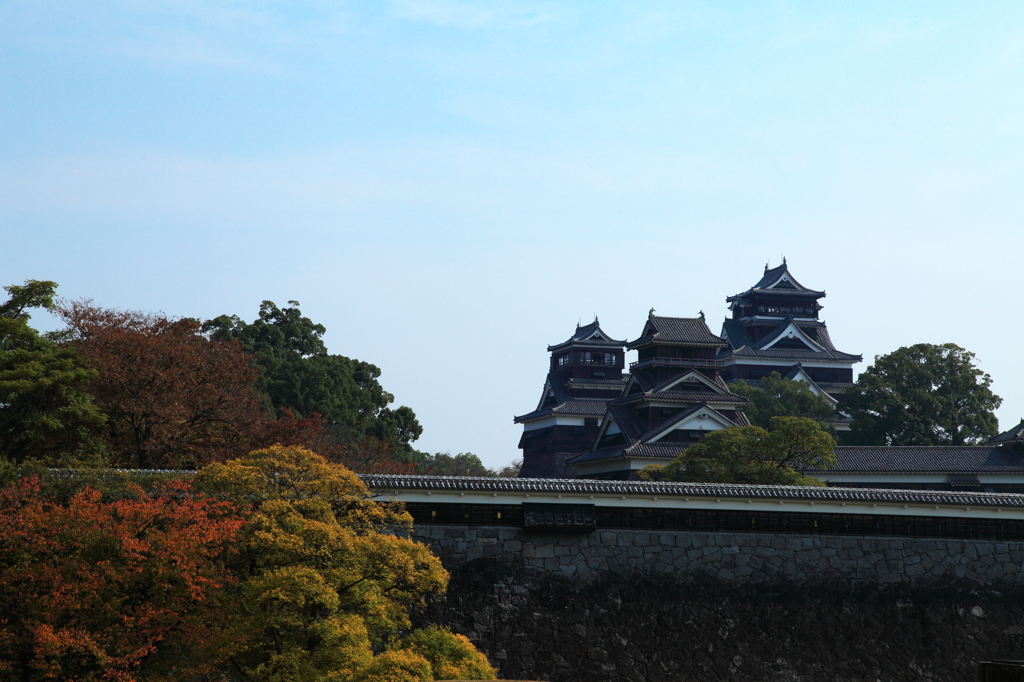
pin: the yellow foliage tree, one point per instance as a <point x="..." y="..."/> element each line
<point x="327" y="578"/>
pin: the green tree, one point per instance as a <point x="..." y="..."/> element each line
<point x="327" y="578"/>
<point x="751" y="454"/>
<point x="445" y="464"/>
<point x="45" y="412"/>
<point x="778" y="397"/>
<point x="924" y="394"/>
<point x="297" y="373"/>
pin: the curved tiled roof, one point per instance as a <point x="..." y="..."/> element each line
<point x="1014" y="435"/>
<point x="572" y="407"/>
<point x="927" y="459"/>
<point x="580" y="338"/>
<point x="796" y="355"/>
<point x="686" y="396"/>
<point x="716" y="490"/>
<point x="678" y="330"/>
<point x="770" y="277"/>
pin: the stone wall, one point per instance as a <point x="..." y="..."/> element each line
<point x="632" y="605"/>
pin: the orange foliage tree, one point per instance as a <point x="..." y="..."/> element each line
<point x="172" y="397"/>
<point x="89" y="589"/>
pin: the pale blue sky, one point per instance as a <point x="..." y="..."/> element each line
<point x="450" y="186"/>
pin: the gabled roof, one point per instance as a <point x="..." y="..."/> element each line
<point x="677" y="331"/>
<point x="713" y="390"/>
<point x="798" y="373"/>
<point x="1014" y="435"/>
<point x="646" y="447"/>
<point x="778" y="280"/>
<point x="789" y="330"/>
<point x="588" y="335"/>
<point x="741" y="345"/>
<point x="700" y="409"/>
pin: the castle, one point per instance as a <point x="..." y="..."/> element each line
<point x="595" y="420"/>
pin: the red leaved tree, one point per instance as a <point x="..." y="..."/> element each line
<point x="88" y="590"/>
<point x="368" y="455"/>
<point x="172" y="397"/>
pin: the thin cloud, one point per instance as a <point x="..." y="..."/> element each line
<point x="475" y="15"/>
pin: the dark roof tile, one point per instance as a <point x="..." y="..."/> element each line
<point x="934" y="459"/>
<point x="391" y="482"/>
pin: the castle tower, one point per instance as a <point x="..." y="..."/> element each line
<point x="775" y="328"/>
<point x="672" y="398"/>
<point x="586" y="371"/>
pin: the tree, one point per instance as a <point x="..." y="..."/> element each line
<point x="298" y="373"/>
<point x="91" y="588"/>
<point x="45" y="412"/>
<point x="368" y="455"/>
<point x="328" y="580"/>
<point x="171" y="397"/>
<point x="750" y="454"/>
<point x="511" y="470"/>
<point x="778" y="397"/>
<point x="445" y="464"/>
<point x="924" y="394"/>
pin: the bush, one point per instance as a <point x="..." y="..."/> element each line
<point x="451" y="656"/>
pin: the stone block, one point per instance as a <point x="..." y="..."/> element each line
<point x="624" y="539"/>
<point x="513" y="546"/>
<point x="733" y="549"/>
<point x="642" y="539"/>
<point x="473" y="553"/>
<point x="544" y="551"/>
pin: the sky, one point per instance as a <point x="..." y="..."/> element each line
<point x="450" y="186"/>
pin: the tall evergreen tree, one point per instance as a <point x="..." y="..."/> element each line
<point x="925" y="394"/>
<point x="45" y="412"/>
<point x="297" y="373"/>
